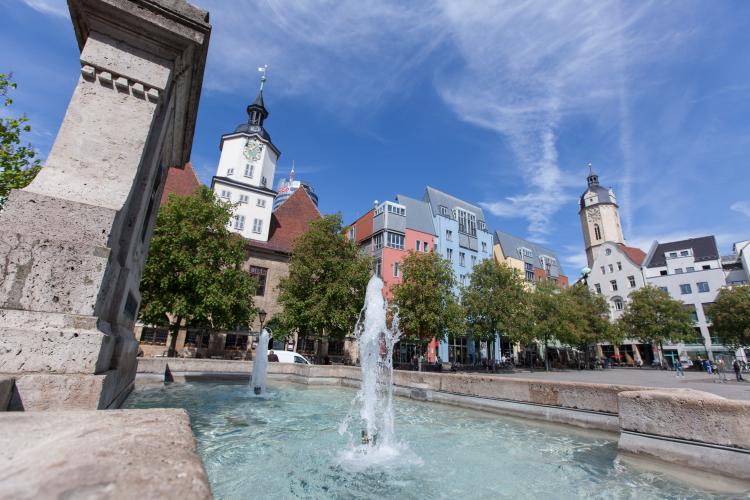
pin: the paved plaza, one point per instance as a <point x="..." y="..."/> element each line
<point x="700" y="381"/>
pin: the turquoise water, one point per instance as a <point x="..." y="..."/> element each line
<point x="287" y="445"/>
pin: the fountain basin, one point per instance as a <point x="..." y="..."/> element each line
<point x="287" y="445"/>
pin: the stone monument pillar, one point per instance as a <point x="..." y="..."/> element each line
<point x="73" y="243"/>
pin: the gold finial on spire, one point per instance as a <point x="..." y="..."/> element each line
<point x="264" y="70"/>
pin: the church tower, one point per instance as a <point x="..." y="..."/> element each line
<point x="246" y="170"/>
<point x="600" y="217"/>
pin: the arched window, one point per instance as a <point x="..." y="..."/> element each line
<point x="597" y="232"/>
<point x="618" y="303"/>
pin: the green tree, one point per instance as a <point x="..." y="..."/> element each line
<point x="494" y="302"/>
<point x="17" y="164"/>
<point x="325" y="290"/>
<point x="553" y="316"/>
<point x="425" y="298"/>
<point x="194" y="273"/>
<point x="730" y="315"/>
<point x="594" y="326"/>
<point x="652" y="316"/>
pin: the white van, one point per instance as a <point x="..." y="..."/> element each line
<point x="290" y="357"/>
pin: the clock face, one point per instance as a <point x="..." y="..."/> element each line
<point x="253" y="149"/>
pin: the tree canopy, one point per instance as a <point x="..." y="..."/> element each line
<point x="594" y="325"/>
<point x="494" y="302"/>
<point x="425" y="298"/>
<point x="18" y="165"/>
<point x="652" y="316"/>
<point x="325" y="289"/>
<point x="730" y="316"/>
<point x="194" y="268"/>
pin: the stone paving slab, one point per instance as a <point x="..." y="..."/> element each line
<point x="138" y="454"/>
<point x="700" y="381"/>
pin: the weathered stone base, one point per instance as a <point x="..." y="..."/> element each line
<point x="140" y="454"/>
<point x="724" y="460"/>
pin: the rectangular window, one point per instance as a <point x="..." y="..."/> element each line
<point x="378" y="267"/>
<point x="686" y="289"/>
<point x="631" y="281"/>
<point x="461" y="259"/>
<point x="263" y="181"/>
<point x="473" y="260"/>
<point x="260" y="274"/>
<point x="611" y="268"/>
<point x="467" y="222"/>
<point x="706" y="310"/>
<point x="619" y="266"/>
<point x="377" y="242"/>
<point x="448" y="235"/>
<point x="261" y="203"/>
<point x="244" y="198"/>
<point x="257" y="226"/>
<point x="443" y="210"/>
<point x="249" y="170"/>
<point x="662" y="273"/>
<point x="684" y="253"/>
<point x="604" y="271"/>
<point x="484" y="247"/>
<point x="449" y="254"/>
<point x="703" y="287"/>
<point x="664" y="289"/>
<point x="598" y="288"/>
<point x="690" y="308"/>
<point x="239" y="222"/>
<point x="613" y="285"/>
<point x="678" y="270"/>
<point x="529" y="271"/>
<point x="154" y="336"/>
<point x="226" y="195"/>
<point x="230" y="171"/>
<point x="672" y="255"/>
<point x="618" y="304"/>
<point x="689" y="269"/>
<point x="395" y="240"/>
<point x="706" y="267"/>
<point x="396" y="270"/>
<point x="419" y="244"/>
<point x="395" y="209"/>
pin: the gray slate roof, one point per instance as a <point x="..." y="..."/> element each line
<point x="510" y="245"/>
<point x="704" y="248"/>
<point x="418" y="214"/>
<point x="435" y="198"/>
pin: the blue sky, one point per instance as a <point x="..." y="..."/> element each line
<point x="500" y="103"/>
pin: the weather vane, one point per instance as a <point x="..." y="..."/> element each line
<point x="264" y="70"/>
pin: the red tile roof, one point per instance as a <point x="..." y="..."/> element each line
<point x="180" y="181"/>
<point x="290" y="220"/>
<point x="635" y="254"/>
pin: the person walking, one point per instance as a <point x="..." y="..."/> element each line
<point x="679" y="368"/>
<point x="721" y="371"/>
<point x="738" y="370"/>
<point x="707" y="366"/>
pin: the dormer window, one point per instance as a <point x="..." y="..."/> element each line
<point x="443" y="210"/>
<point x="467" y="221"/>
<point x="525" y="252"/>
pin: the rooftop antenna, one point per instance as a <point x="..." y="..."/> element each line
<point x="264" y="72"/>
<point x="291" y="174"/>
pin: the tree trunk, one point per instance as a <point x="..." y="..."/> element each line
<point x="546" y="357"/>
<point x="172" y="351"/>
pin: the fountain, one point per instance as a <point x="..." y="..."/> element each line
<point x="375" y="397"/>
<point x="260" y="365"/>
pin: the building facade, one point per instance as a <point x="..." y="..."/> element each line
<point x="600" y="217"/>
<point x="691" y="272"/>
<point x="533" y="262"/>
<point x="615" y="273"/>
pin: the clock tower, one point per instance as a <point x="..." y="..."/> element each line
<point x="245" y="172"/>
<point x="600" y="216"/>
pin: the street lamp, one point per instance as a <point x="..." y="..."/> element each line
<point x="585" y="275"/>
<point x="262" y="317"/>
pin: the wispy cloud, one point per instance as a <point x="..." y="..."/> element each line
<point x="742" y="207"/>
<point x="49" y="7"/>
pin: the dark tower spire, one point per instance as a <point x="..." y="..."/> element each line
<point x="592" y="179"/>
<point x="256" y="112"/>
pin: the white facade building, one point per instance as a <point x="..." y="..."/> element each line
<point x="615" y="273"/>
<point x="246" y="170"/>
<point x="691" y="272"/>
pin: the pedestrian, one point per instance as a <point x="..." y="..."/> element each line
<point x="273" y="357"/>
<point x="721" y="372"/>
<point x="707" y="366"/>
<point x="678" y="368"/>
<point x="738" y="370"/>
